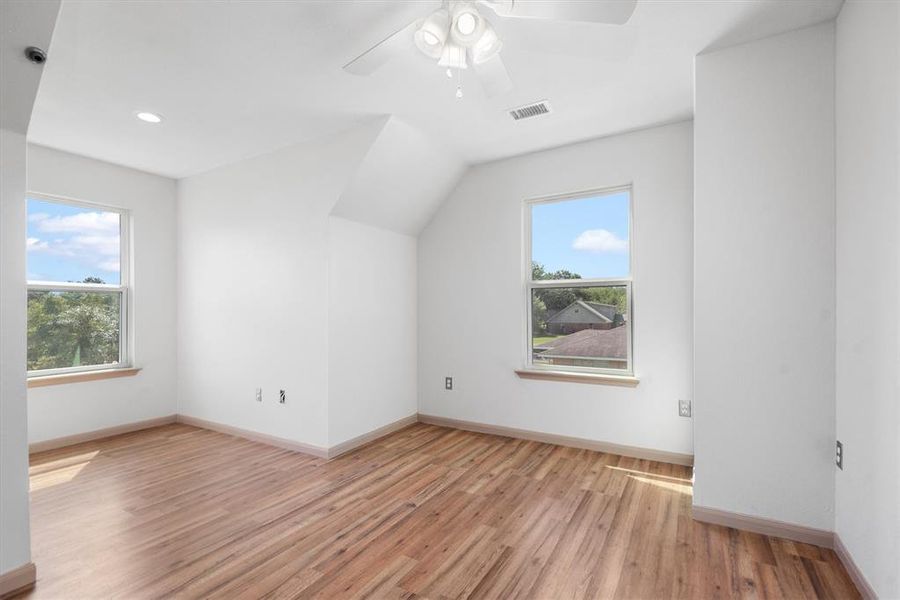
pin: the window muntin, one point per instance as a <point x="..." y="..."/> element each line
<point x="578" y="284"/>
<point x="77" y="286"/>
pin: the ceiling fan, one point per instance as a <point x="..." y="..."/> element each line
<point x="457" y="35"/>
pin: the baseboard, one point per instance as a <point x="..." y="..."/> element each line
<point x="764" y="526"/>
<point x="18" y="580"/>
<point x="362" y="440"/>
<point x="352" y="444"/>
<point x="78" y="438"/>
<point x="561" y="440"/>
<point x="862" y="584"/>
<point x="271" y="440"/>
<point x="317" y="451"/>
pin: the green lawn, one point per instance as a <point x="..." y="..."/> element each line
<point x="537" y="341"/>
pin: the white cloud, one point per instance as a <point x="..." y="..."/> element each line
<point x="600" y="241"/>
<point x="89" y="238"/>
<point x="104" y="245"/>
<point x="98" y="251"/>
<point x="35" y="244"/>
<point x="109" y="265"/>
<point x="84" y="222"/>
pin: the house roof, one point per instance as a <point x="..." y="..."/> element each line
<point x="589" y="343"/>
<point x="604" y="313"/>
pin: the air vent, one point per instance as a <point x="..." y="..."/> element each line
<point x="530" y="110"/>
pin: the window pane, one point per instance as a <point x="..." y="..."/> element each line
<point x="581" y="239"/>
<point x="72" y="329"/>
<point x="580" y="327"/>
<point x="72" y="243"/>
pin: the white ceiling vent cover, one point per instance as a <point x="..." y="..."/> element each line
<point x="530" y="110"/>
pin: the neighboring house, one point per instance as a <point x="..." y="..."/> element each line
<point x="598" y="348"/>
<point x="584" y="315"/>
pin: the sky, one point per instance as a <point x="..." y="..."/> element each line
<point x="588" y="236"/>
<point x="70" y="243"/>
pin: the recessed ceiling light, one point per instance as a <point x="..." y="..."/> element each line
<point x="148" y="117"/>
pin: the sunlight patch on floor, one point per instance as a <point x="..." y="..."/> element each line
<point x="61" y="471"/>
<point x="654" y="475"/>
<point x="672" y="486"/>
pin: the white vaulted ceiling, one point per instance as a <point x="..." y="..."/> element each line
<point x="401" y="180"/>
<point x="240" y="78"/>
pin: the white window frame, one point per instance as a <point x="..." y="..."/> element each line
<point x="123" y="287"/>
<point x="626" y="282"/>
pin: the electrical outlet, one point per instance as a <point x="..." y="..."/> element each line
<point x="259" y="394"/>
<point x="839" y="455"/>
<point x="684" y="408"/>
<point x="448" y="383"/>
<point x="282" y="398"/>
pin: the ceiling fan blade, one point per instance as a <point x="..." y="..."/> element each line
<point x="372" y="59"/>
<point x="600" y="43"/>
<point x="613" y="12"/>
<point x="494" y="77"/>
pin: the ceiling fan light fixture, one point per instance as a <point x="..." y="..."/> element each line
<point x="468" y="24"/>
<point x="453" y="57"/>
<point x="487" y="46"/>
<point x="431" y="35"/>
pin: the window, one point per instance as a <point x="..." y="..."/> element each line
<point x="579" y="282"/>
<point x="77" y="287"/>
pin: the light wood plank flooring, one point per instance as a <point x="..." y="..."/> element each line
<point x="427" y="512"/>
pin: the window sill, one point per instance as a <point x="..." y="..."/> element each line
<point x="573" y="377"/>
<point x="46" y="380"/>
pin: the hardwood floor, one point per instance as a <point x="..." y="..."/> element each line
<point x="180" y="512"/>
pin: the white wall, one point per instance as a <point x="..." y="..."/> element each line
<point x="472" y="306"/>
<point x="868" y="289"/>
<point x="371" y="328"/>
<point x="253" y="287"/>
<point x="15" y="540"/>
<point x="764" y="278"/>
<point x="23" y="24"/>
<point x="57" y="411"/>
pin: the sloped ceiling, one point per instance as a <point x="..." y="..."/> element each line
<point x="23" y="23"/>
<point x="401" y="181"/>
<point x="240" y="79"/>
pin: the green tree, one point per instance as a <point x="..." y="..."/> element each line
<point x="555" y="299"/>
<point x="538" y="316"/>
<point x="615" y="296"/>
<point x="68" y="329"/>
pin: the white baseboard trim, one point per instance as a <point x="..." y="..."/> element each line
<point x="352" y="444"/>
<point x="17" y="580"/>
<point x="362" y="440"/>
<point x="317" y="451"/>
<point x="764" y="526"/>
<point x="862" y="584"/>
<point x="88" y="436"/>
<point x="271" y="440"/>
<point x="561" y="440"/>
